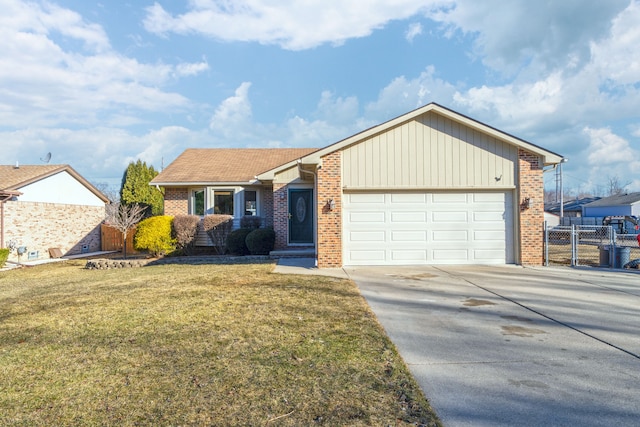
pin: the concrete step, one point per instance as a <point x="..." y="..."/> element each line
<point x="293" y="253"/>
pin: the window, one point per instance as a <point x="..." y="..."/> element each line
<point x="198" y="202"/>
<point x="223" y="202"/>
<point x="250" y="203"/>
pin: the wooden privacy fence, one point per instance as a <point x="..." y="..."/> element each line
<point x="112" y="239"/>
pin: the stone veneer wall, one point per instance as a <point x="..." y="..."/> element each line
<point x="40" y="226"/>
<point x="330" y="220"/>
<point x="531" y="185"/>
<point x="176" y="201"/>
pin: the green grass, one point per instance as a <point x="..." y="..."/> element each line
<point x="196" y="345"/>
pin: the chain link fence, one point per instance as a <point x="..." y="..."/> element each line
<point x="590" y="245"/>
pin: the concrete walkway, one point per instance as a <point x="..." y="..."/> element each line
<point x="507" y="346"/>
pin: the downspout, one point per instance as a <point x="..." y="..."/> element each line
<point x="315" y="211"/>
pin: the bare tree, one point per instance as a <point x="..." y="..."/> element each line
<point x="123" y="218"/>
<point x="615" y="187"/>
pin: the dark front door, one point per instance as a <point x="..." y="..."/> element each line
<point x="301" y="215"/>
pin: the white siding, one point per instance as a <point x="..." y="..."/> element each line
<point x="59" y="188"/>
<point x="431" y="151"/>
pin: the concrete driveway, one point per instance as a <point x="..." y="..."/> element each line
<point x="513" y="346"/>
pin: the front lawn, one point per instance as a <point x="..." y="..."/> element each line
<point x="196" y="345"/>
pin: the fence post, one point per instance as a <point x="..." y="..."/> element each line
<point x="612" y="253"/>
<point x="546" y="244"/>
<point x="574" y="244"/>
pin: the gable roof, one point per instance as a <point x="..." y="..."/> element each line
<point x="549" y="157"/>
<point x="12" y="178"/>
<point x="198" y="166"/>
<point x="618" y="200"/>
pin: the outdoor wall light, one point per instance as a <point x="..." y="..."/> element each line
<point x="331" y="204"/>
<point x="527" y="203"/>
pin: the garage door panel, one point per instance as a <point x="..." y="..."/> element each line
<point x="450" y="216"/>
<point x="408" y="255"/>
<point x="408" y="236"/>
<point x="428" y="228"/>
<point x="450" y="235"/>
<point x="404" y="217"/>
<point x="367" y="217"/>
<point x="367" y="236"/>
<point x="489" y="235"/>
<point x="488" y="216"/>
<point x="357" y="198"/>
<point x="438" y="198"/>
<point x="450" y="255"/>
<point x="408" y="198"/>
<point x="367" y="256"/>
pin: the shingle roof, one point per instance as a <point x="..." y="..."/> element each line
<point x="619" y="200"/>
<point x="13" y="178"/>
<point x="225" y="165"/>
<point x="571" y="205"/>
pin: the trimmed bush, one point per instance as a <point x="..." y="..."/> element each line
<point x="154" y="235"/>
<point x="185" y="230"/>
<point x="250" y="221"/>
<point x="4" y="255"/>
<point x="218" y="228"/>
<point x="261" y="241"/>
<point x="236" y="241"/>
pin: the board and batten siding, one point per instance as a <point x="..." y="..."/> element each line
<point x="430" y="151"/>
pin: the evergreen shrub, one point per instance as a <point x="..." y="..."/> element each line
<point x="154" y="235"/>
<point x="261" y="241"/>
<point x="236" y="241"/>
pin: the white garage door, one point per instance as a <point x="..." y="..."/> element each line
<point x="428" y="228"/>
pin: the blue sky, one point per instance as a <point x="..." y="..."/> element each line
<point x="100" y="84"/>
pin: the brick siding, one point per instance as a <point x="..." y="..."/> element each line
<point x="176" y="201"/>
<point x="267" y="207"/>
<point x="330" y="220"/>
<point x="40" y="226"/>
<point x="280" y="215"/>
<point x="531" y="186"/>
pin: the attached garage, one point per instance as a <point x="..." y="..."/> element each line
<point x="429" y="187"/>
<point x="398" y="228"/>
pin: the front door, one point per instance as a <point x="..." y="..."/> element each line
<point x="301" y="215"/>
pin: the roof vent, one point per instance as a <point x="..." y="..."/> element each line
<point x="17" y="166"/>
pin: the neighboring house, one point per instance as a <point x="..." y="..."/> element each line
<point x="48" y="206"/>
<point x="571" y="208"/>
<point x="619" y="205"/>
<point x="429" y="187"/>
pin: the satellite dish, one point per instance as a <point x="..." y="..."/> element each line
<point x="46" y="158"/>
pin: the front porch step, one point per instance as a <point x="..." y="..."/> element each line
<point x="293" y="253"/>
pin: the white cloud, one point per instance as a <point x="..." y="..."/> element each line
<point x="291" y="25"/>
<point x="193" y="69"/>
<point x="233" y="116"/>
<point x="509" y="36"/>
<point x="413" y="31"/>
<point x="45" y="83"/>
<point x="606" y="148"/>
<point x="617" y="57"/>
<point x="610" y="155"/>
<point x="402" y="95"/>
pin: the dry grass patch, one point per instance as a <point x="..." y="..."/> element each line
<point x="196" y="345"/>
